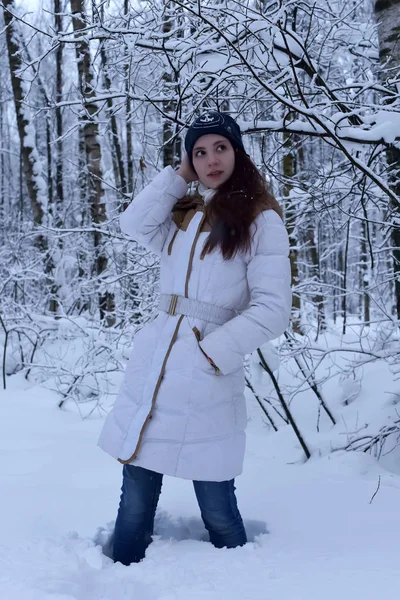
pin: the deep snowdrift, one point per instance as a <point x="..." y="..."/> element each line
<point x="316" y="529"/>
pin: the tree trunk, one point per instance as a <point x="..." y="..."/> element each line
<point x="172" y="148"/>
<point x="315" y="272"/>
<point x="387" y="14"/>
<point x="129" y="139"/>
<point x="365" y="275"/>
<point x="116" y="151"/>
<point x="3" y="208"/>
<point x="59" y="121"/>
<point x="345" y="274"/>
<point x="52" y="207"/>
<point x="26" y="145"/>
<point x="92" y="151"/>
<point x="289" y="170"/>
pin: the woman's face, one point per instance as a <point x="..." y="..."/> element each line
<point x="213" y="158"/>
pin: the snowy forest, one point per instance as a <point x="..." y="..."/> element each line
<point x="95" y="99"/>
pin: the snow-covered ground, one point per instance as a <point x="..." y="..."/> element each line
<point x="317" y="529"/>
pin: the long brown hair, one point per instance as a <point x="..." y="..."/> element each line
<point x="235" y="205"/>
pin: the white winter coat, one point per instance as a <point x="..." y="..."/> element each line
<point x="174" y="414"/>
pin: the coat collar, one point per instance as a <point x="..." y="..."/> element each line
<point x="184" y="210"/>
<point x="205" y="192"/>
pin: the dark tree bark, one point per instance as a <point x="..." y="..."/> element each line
<point x="387" y="14"/>
<point x="116" y="150"/>
<point x="315" y="272"/>
<point x="289" y="171"/>
<point x="365" y="275"/>
<point x="59" y="121"/>
<point x="92" y="147"/>
<point x="27" y="151"/>
<point x="345" y="276"/>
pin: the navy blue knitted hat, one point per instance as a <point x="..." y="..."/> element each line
<point x="213" y="122"/>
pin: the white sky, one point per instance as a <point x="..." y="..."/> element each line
<point x="29" y="4"/>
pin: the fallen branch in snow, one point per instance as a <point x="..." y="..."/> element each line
<point x="6" y="334"/>
<point x="367" y="443"/>
<point x="377" y="489"/>
<point x="261" y="404"/>
<point x="285" y="407"/>
<point x="309" y="377"/>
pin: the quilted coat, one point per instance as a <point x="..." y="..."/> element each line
<point x="175" y="413"/>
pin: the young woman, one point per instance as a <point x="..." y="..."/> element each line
<point x="225" y="291"/>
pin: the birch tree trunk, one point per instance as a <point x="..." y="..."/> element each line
<point x="289" y="170"/>
<point x="28" y="152"/>
<point x="92" y="151"/>
<point x="387" y="13"/>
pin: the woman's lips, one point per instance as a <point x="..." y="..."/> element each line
<point x="215" y="175"/>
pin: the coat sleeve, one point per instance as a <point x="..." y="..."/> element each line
<point x="267" y="314"/>
<point x="148" y="217"/>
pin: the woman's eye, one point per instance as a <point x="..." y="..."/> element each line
<point x="199" y="152"/>
<point x="222" y="147"/>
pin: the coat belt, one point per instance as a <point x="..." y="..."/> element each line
<point x="173" y="304"/>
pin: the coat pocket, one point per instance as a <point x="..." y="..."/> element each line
<point x="198" y="338"/>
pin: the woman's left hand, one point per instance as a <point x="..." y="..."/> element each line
<point x="186" y="170"/>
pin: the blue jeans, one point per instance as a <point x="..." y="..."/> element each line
<point x="141" y="490"/>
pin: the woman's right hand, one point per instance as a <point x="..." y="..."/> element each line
<point x="186" y="170"/>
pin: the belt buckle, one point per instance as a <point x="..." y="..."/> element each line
<point x="172" y="304"/>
